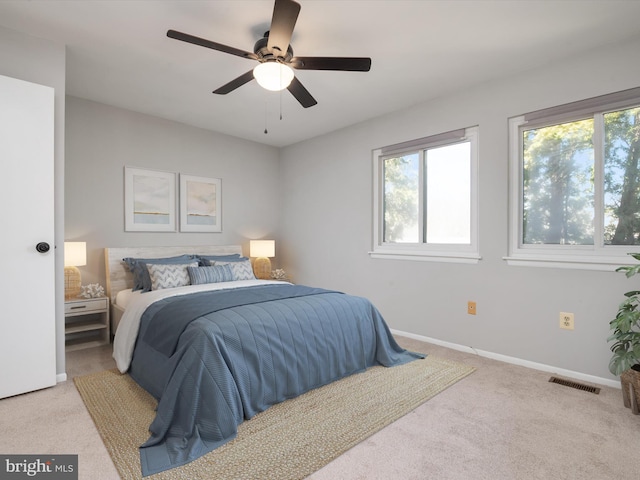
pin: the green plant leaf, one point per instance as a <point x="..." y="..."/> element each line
<point x="625" y="327"/>
<point x="619" y="364"/>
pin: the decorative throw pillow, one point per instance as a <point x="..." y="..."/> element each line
<point x="242" y="270"/>
<point x="138" y="266"/>
<point x="211" y="274"/>
<point x="169" y="275"/>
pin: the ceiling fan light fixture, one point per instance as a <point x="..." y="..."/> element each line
<point x="274" y="76"/>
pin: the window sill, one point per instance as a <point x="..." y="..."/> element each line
<point x="427" y="256"/>
<point x="606" y="264"/>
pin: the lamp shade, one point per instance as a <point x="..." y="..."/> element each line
<point x="273" y="76"/>
<point x="75" y="254"/>
<point x="262" y="248"/>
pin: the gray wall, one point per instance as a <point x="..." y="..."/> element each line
<point x="41" y="61"/>
<point x="101" y="140"/>
<point x="327" y="221"/>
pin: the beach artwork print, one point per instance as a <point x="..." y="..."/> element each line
<point x="200" y="206"/>
<point x="149" y="200"/>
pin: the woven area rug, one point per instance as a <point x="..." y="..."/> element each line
<point x="288" y="441"/>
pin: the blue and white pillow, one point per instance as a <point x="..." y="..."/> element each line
<point x="169" y="275"/>
<point x="242" y="270"/>
<point x="210" y="274"/>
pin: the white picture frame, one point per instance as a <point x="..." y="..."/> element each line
<point x="200" y="204"/>
<point x="149" y="200"/>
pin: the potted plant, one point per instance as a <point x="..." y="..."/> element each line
<point x="626" y="337"/>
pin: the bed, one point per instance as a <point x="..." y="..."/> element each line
<point x="215" y="346"/>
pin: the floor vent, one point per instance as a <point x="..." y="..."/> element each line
<point x="576" y="385"/>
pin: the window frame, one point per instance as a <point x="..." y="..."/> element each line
<point x="422" y="251"/>
<point x="591" y="257"/>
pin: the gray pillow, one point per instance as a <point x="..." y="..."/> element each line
<point x="208" y="260"/>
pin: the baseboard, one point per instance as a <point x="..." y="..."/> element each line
<point x="513" y="360"/>
<point x="62" y="377"/>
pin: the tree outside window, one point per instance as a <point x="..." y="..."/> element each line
<point x="622" y="177"/>
<point x="559" y="182"/>
<point x="575" y="192"/>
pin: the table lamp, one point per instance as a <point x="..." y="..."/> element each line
<point x="262" y="250"/>
<point x="75" y="255"/>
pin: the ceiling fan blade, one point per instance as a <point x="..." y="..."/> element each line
<point x="185" y="37"/>
<point x="350" y="64"/>
<point x="301" y="94"/>
<point x="285" y="15"/>
<point x="233" y="84"/>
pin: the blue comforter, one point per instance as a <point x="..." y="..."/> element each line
<point x="214" y="359"/>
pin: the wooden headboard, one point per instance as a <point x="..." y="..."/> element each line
<point x="120" y="278"/>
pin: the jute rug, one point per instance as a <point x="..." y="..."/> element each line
<point x="288" y="441"/>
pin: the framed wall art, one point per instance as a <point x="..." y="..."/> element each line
<point x="149" y="200"/>
<point x="200" y="204"/>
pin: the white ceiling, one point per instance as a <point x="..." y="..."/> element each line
<point x="118" y="53"/>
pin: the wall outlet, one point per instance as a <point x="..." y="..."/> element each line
<point x="566" y="320"/>
<point x="471" y="307"/>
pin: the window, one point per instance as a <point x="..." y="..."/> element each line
<point x="425" y="198"/>
<point x="575" y="183"/>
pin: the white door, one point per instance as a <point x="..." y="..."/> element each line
<point x="27" y="276"/>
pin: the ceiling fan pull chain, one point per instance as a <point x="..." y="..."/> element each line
<point x="280" y="104"/>
<point x="265" y="117"/>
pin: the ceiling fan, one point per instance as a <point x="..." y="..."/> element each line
<point x="275" y="55"/>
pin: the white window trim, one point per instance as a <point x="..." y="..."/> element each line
<point x="583" y="257"/>
<point x="467" y="253"/>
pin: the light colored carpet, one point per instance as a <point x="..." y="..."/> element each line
<point x="503" y="422"/>
<point x="290" y="440"/>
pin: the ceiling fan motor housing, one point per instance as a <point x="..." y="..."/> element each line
<point x="264" y="55"/>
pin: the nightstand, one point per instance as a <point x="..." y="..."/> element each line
<point x="86" y="322"/>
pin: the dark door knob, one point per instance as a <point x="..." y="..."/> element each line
<point x="42" y="247"/>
